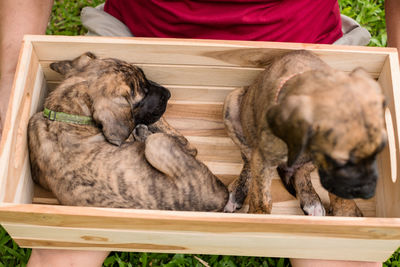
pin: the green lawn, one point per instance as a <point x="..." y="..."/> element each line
<point x="65" y="21"/>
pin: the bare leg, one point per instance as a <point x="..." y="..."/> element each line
<point x="343" y="207"/>
<point x="17" y="17"/>
<point x="332" y="263"/>
<point x="66" y="258"/>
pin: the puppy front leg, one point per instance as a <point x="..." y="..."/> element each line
<point x="260" y="200"/>
<point x="343" y="207"/>
<point x="162" y="126"/>
<point x="309" y="200"/>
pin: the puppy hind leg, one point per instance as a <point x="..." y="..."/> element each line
<point x="162" y="126"/>
<point x="232" y="122"/>
<point x="164" y="154"/>
<point x="238" y="189"/>
<point x="191" y="178"/>
<point x="343" y="207"/>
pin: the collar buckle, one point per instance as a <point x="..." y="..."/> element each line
<point x="52" y="115"/>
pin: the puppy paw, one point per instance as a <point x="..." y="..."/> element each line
<point x="232" y="205"/>
<point x="314" y="209"/>
<point x="186" y="145"/>
<point x="141" y="132"/>
<point x="343" y="207"/>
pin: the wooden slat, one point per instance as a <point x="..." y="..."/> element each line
<point x="199" y="94"/>
<point x="14" y="153"/>
<point x="196" y="119"/>
<point x="388" y="190"/>
<point x="185" y="74"/>
<point x="207" y="222"/>
<point x="217" y="149"/>
<point x="249" y="244"/>
<point x="283" y="202"/>
<point x="203" y="52"/>
<point x="191" y="75"/>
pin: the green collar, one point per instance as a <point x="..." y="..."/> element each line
<point x="64" y="117"/>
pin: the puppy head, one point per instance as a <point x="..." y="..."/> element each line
<point x="120" y="94"/>
<point x="341" y="127"/>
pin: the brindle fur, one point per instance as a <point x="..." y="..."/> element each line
<point x="320" y="115"/>
<point x="104" y="165"/>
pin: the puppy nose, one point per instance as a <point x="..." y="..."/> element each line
<point x="364" y="192"/>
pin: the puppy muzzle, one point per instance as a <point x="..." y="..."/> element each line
<point x="153" y="105"/>
<point x="350" y="183"/>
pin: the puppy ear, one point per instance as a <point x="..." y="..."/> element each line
<point x="291" y="122"/>
<point x="116" y="119"/>
<point x="360" y="72"/>
<point x="65" y="66"/>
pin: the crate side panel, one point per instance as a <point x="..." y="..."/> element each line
<point x="187" y="93"/>
<point x="235" y="243"/>
<point x="208" y="222"/>
<point x="389" y="162"/>
<point x="19" y="183"/>
<point x="192" y="75"/>
<point x="185" y="74"/>
<point x="17" y="186"/>
<point x="203" y="52"/>
<point x="389" y="186"/>
<point x="8" y="129"/>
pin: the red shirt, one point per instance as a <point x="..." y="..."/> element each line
<point x="306" y="21"/>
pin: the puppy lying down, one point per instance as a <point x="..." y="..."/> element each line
<point x="82" y="149"/>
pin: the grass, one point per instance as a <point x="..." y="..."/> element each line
<point x="10" y="254"/>
<point x="65" y="21"/>
<point x="371" y="15"/>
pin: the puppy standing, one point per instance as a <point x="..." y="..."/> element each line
<point x="300" y="110"/>
<point x="88" y="157"/>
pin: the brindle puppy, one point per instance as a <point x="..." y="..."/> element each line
<point x="300" y="110"/>
<point x="102" y="164"/>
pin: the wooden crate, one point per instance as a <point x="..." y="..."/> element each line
<point x="199" y="73"/>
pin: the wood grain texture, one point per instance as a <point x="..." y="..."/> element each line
<point x="185" y="74"/>
<point x="187" y="93"/>
<point x="203" y="52"/>
<point x="15" y="183"/>
<point x="199" y="73"/>
<point x="258" y="244"/>
<point x="207" y="222"/>
<point x="388" y="190"/>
